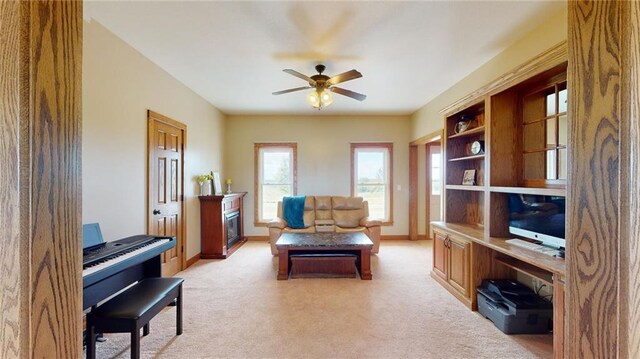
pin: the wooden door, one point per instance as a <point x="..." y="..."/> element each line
<point x="440" y="255"/>
<point x="165" y="212"/>
<point x="459" y="253"/>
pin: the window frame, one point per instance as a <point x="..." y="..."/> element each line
<point x="373" y="145"/>
<point x="257" y="184"/>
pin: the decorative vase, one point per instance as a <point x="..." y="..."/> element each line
<point x="205" y="188"/>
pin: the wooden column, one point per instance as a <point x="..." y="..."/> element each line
<point x="40" y="203"/>
<point x="603" y="254"/>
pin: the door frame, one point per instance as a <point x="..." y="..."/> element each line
<point x="151" y="118"/>
<point x="428" y="180"/>
<point x="428" y="140"/>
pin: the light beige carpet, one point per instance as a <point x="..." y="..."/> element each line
<point x="235" y="308"/>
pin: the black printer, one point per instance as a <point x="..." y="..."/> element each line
<point x="513" y="307"/>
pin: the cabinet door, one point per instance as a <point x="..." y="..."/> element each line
<point x="458" y="269"/>
<point x="440" y="255"/>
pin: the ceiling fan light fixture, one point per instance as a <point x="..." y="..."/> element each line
<point x="320" y="98"/>
<point x="313" y="99"/>
<point x="324" y="86"/>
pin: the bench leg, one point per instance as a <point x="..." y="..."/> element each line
<point x="145" y="330"/>
<point x="179" y="312"/>
<point x="91" y="340"/>
<point x="135" y="344"/>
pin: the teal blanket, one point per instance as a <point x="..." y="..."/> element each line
<point x="293" y="211"/>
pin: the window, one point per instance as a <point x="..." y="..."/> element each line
<point x="371" y="173"/>
<point x="435" y="174"/>
<point x="275" y="171"/>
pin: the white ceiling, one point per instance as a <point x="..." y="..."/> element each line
<point x="233" y="53"/>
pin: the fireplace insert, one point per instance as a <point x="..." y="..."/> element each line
<point x="233" y="228"/>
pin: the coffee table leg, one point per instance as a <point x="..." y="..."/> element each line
<point x="283" y="264"/>
<point x="365" y="264"/>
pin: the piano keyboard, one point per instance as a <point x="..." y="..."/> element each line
<point x="122" y="256"/>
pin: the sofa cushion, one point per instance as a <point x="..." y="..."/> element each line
<point x="309" y="218"/>
<point x="323" y="207"/>
<point x="347" y="211"/>
<point x="346" y="202"/>
<point x="309" y="203"/>
<point x="309" y="215"/>
<point x="311" y="229"/>
<point x="350" y="230"/>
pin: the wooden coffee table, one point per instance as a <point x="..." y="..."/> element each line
<point x="325" y="243"/>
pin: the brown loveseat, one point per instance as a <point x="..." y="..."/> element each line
<point x="328" y="214"/>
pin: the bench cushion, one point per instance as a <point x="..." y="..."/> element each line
<point x="137" y="300"/>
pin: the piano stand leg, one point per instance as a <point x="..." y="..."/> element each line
<point x="91" y="342"/>
<point x="145" y="330"/>
<point x="135" y="344"/>
<point x="179" y="312"/>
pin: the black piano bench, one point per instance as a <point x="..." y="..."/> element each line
<point x="133" y="309"/>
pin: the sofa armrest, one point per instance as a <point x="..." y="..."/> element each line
<point x="368" y="222"/>
<point x="277" y="223"/>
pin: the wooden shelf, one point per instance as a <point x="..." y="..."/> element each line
<point x="527" y="269"/>
<point x="464" y="188"/>
<point x="530" y="190"/>
<point x="468" y="158"/>
<point x="473" y="131"/>
<point x="475" y="233"/>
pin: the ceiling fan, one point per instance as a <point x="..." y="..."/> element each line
<point x="324" y="85"/>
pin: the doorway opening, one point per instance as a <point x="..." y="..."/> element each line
<point x="425" y="184"/>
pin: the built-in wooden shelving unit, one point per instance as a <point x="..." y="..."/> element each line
<point x="521" y="120"/>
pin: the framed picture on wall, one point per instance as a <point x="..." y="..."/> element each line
<point x="217" y="185"/>
<point x="469" y="178"/>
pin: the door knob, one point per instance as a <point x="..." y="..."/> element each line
<point x="156" y="211"/>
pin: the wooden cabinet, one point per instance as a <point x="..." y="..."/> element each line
<point x="440" y="255"/>
<point x="451" y="265"/>
<point x="221" y="229"/>
<point x="459" y="263"/>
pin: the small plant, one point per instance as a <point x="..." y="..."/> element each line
<point x="204" y="178"/>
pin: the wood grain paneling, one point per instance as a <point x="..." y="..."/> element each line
<point x="40" y="89"/>
<point x="603" y="286"/>
<point x="13" y="286"/>
<point x="631" y="115"/>
<point x="504" y="142"/>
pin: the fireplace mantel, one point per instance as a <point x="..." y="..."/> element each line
<point x="216" y="212"/>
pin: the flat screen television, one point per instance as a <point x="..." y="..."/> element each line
<point x="541" y="218"/>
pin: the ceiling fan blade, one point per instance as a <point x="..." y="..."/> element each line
<point x="345" y="76"/>
<point x="343" y="92"/>
<point x="295" y="73"/>
<point x="292" y="90"/>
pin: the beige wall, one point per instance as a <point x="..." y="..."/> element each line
<point x="119" y="85"/>
<point x="323" y="156"/>
<point x="428" y="119"/>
